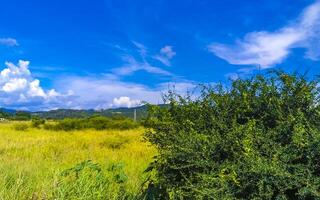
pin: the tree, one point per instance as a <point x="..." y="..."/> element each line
<point x="258" y="139"/>
<point x="22" y="116"/>
<point x="3" y="114"/>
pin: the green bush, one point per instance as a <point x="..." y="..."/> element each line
<point x="37" y="122"/>
<point x="50" y="126"/>
<point x="97" y="122"/>
<point x="20" y="127"/>
<point x="124" y="124"/>
<point x="257" y="139"/>
<point x="70" y="124"/>
<point x="115" y="143"/>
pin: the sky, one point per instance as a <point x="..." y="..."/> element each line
<point x="103" y="54"/>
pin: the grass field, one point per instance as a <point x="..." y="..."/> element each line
<point x="32" y="163"/>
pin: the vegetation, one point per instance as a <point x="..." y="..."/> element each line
<point x="4" y="114"/>
<point x="36" y="122"/>
<point x="87" y="164"/>
<point x="258" y="139"/>
<point x="74" y="114"/>
<point x="20" y="126"/>
<point x="97" y="123"/>
<point x="69" y="113"/>
<point x="21" y="116"/>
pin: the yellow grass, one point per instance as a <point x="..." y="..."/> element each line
<point x="32" y="160"/>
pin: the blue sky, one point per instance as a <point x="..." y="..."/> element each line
<point x="108" y="53"/>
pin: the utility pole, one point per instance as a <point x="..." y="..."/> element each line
<point x="135" y="115"/>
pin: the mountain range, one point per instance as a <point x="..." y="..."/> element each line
<point x="141" y="111"/>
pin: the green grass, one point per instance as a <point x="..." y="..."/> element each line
<point x="32" y="162"/>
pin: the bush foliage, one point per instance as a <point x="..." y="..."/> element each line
<point x="20" y="127"/>
<point x="96" y="122"/>
<point x="257" y="139"/>
<point x="36" y="122"/>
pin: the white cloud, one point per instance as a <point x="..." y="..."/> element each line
<point x="15" y="84"/>
<point x="10" y="42"/>
<point x="269" y="48"/>
<point x="166" y="54"/>
<point x="35" y="90"/>
<point x="125" y="102"/>
<point x="99" y="92"/>
<point x="132" y="65"/>
<point x="18" y="88"/>
<point x="102" y="92"/>
<point x="141" y="48"/>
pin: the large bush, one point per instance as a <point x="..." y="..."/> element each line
<point x="257" y="139"/>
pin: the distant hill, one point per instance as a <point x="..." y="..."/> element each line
<point x="141" y="111"/>
<point x="7" y="110"/>
<point x="6" y="113"/>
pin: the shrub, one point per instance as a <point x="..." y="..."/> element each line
<point x="124" y="124"/>
<point x="20" y="127"/>
<point x="50" y="126"/>
<point x="70" y="124"/>
<point x="97" y="122"/>
<point x="259" y="139"/>
<point x="115" y="143"/>
<point x="37" y="122"/>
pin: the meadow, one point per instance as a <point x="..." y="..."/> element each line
<point x="84" y="164"/>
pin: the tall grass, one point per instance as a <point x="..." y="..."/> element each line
<point x="86" y="164"/>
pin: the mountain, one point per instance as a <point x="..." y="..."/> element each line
<point x="141" y="111"/>
<point x="6" y="113"/>
<point x="9" y="111"/>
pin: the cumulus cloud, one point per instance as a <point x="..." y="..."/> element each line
<point x="10" y="42"/>
<point x="19" y="88"/>
<point x="166" y="54"/>
<point x="269" y="48"/>
<point x="125" y="102"/>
